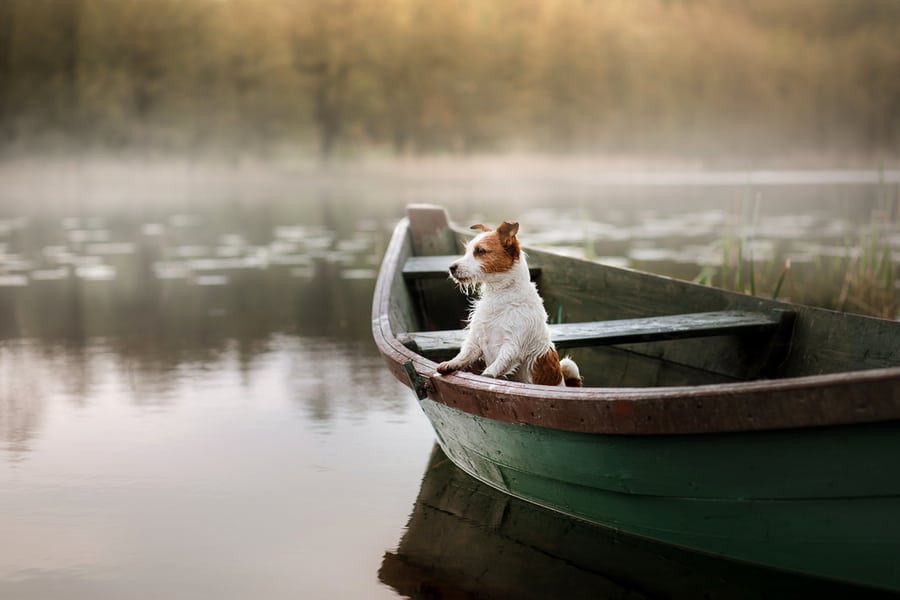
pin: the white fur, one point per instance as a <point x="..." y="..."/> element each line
<point x="507" y="324"/>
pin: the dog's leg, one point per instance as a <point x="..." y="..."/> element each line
<point x="506" y="362"/>
<point x="468" y="354"/>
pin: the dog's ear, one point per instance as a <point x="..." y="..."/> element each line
<point x="480" y="227"/>
<point x="507" y="232"/>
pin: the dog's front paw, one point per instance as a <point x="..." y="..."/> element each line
<point x="447" y="367"/>
<point x="490" y="374"/>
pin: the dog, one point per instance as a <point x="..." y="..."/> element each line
<point x="507" y="326"/>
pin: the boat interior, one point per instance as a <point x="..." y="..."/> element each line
<point x="626" y="328"/>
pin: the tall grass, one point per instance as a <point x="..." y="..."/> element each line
<point x="870" y="275"/>
<point x="861" y="279"/>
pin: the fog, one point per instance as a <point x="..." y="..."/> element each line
<point x="758" y="84"/>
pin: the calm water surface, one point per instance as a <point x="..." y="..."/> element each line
<point x="191" y="405"/>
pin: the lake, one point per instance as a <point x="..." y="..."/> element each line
<point x="191" y="405"/>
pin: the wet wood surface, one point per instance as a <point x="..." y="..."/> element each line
<point x="621" y="331"/>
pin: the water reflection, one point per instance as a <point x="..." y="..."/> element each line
<point x="468" y="540"/>
<point x="323" y="377"/>
<point x="223" y="473"/>
<point x="21" y="399"/>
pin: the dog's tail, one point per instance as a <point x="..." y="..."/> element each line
<point x="570" y="373"/>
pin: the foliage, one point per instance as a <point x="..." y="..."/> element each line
<point x="651" y="76"/>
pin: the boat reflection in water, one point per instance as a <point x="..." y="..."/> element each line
<point x="467" y="540"/>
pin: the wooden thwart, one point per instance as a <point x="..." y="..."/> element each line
<point x="621" y="331"/>
<point x="437" y="267"/>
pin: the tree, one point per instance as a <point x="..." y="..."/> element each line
<point x="329" y="44"/>
<point x="7" y="20"/>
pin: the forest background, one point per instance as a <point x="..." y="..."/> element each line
<point x="755" y="80"/>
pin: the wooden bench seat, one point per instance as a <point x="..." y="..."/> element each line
<point x="437" y="267"/>
<point x="622" y="331"/>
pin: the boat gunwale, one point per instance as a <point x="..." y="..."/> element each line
<point x="793" y="402"/>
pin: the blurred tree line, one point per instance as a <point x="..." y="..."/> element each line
<point x="666" y="77"/>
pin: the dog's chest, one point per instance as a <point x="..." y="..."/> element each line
<point x="500" y="319"/>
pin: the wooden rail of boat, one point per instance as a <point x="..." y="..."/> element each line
<point x="858" y="396"/>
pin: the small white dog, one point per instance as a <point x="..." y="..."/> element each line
<point x="508" y="324"/>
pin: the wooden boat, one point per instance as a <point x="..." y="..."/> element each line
<point x="722" y="423"/>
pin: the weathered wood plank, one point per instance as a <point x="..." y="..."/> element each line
<point x="652" y="329"/>
<point x="620" y="331"/>
<point x="437" y="267"/>
<point x="435" y="305"/>
<point x="430" y="230"/>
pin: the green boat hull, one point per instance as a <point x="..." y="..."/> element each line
<point x="489" y="539"/>
<point x="811" y="501"/>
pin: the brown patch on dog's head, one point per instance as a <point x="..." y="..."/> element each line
<point x="497" y="251"/>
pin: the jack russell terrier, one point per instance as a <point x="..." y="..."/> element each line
<point x="507" y="323"/>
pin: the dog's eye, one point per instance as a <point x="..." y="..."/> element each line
<point x="479" y="251"/>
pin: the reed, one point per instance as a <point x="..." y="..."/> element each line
<point x="870" y="276"/>
<point x="863" y="279"/>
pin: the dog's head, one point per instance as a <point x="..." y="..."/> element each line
<point x="490" y="252"/>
